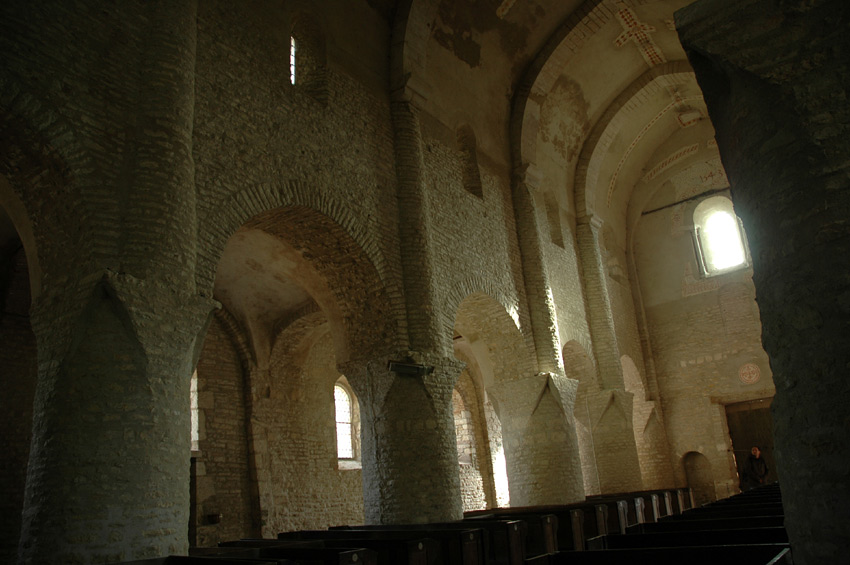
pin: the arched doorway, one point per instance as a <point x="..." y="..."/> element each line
<point x="18" y="357"/>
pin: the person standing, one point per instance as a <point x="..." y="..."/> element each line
<point x="754" y="471"/>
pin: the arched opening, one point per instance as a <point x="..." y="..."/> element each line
<point x="471" y="438"/>
<point x="700" y="478"/>
<point x="486" y="339"/>
<point x="270" y="393"/>
<point x="18" y="357"/>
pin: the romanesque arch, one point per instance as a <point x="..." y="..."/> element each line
<point x="18" y="379"/>
<point x="487" y="339"/>
<point x="302" y="298"/>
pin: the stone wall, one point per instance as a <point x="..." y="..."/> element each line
<point x="223" y="498"/>
<point x="309" y="489"/>
<point x="704" y="331"/>
<point x="18" y="362"/>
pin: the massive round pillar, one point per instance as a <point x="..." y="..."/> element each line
<point x="775" y="75"/>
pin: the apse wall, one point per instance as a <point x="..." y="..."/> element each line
<point x="704" y="331"/>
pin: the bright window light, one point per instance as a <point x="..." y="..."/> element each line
<point x="193" y="411"/>
<point x="292" y="60"/>
<point x="724" y="246"/>
<point x="719" y="237"/>
<point x="344" y="445"/>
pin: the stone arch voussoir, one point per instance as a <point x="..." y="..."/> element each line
<point x="45" y="165"/>
<point x="474" y="301"/>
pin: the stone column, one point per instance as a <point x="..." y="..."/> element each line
<point x="409" y="447"/>
<point x="617" y="462"/>
<point x="606" y="349"/>
<point x="539" y="435"/>
<point x="119" y="319"/>
<point x="108" y="476"/>
<point x="541" y="304"/>
<point x="415" y="231"/>
<point x="774" y="74"/>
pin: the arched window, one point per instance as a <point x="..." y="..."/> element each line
<point x="344" y="420"/>
<point x="719" y="238"/>
<point x="193" y="407"/>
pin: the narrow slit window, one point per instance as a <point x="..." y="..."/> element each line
<point x="193" y="411"/>
<point x="292" y="48"/>
<point x="344" y="443"/>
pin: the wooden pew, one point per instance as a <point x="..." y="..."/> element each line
<point x="459" y="545"/>
<point x="756" y="554"/>
<point x="391" y="547"/>
<point x="300" y="554"/>
<point x="711" y="511"/>
<point x="708" y="524"/>
<point x="541" y="529"/>
<point x="504" y="541"/>
<point x="195" y="560"/>
<point x="686" y="538"/>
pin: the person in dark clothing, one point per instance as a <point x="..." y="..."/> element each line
<point x="754" y="471"/>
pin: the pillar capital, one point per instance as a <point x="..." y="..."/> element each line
<point x="372" y="377"/>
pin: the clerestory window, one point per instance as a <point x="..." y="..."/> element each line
<point x="193" y="411"/>
<point x="344" y="428"/>
<point x="292" y="60"/>
<point x="307" y="57"/>
<point x="719" y="237"/>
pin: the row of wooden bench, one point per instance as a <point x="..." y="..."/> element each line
<point x="635" y="528"/>
<point x="746" y="528"/>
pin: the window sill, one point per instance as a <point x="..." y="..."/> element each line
<point x="348" y="465"/>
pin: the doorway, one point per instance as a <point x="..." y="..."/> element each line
<point x="750" y="424"/>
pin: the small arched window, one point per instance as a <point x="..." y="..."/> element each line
<point x="344" y="421"/>
<point x="194" y="412"/>
<point x="719" y="237"/>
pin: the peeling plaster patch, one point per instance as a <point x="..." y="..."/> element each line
<point x="502" y="10"/>
<point x="564" y="117"/>
<point x="462" y="45"/>
<point x="460" y="26"/>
